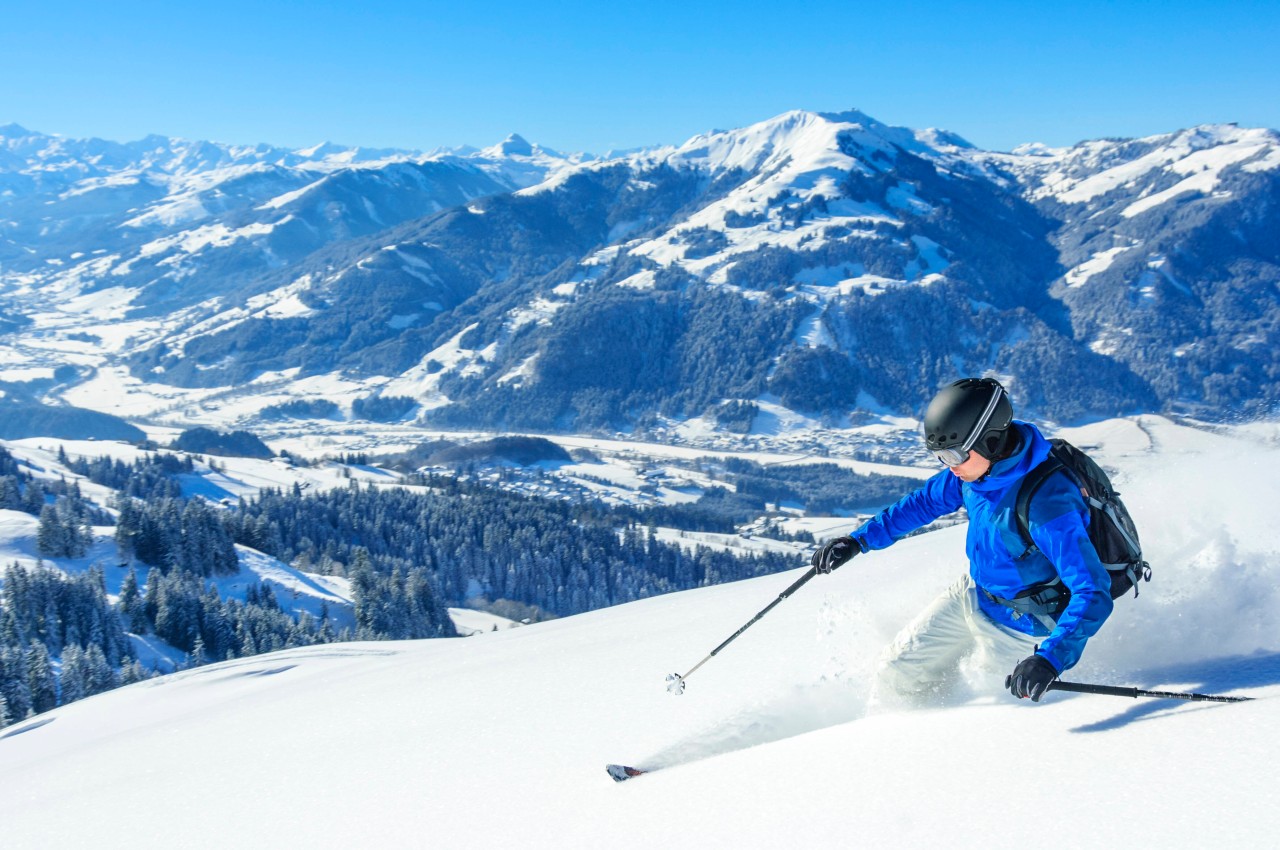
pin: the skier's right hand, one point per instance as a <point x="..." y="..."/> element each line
<point x="1032" y="677"/>
<point x="835" y="553"/>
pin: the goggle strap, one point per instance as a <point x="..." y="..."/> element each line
<point x="981" y="427"/>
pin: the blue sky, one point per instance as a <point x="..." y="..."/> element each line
<point x="600" y="76"/>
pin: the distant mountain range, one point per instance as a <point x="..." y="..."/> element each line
<point x="826" y="263"/>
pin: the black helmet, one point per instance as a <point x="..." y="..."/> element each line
<point x="972" y="413"/>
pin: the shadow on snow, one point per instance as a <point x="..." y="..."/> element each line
<point x="1213" y="675"/>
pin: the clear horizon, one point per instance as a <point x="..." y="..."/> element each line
<point x="580" y="78"/>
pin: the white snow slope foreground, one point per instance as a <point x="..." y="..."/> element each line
<point x="501" y="739"/>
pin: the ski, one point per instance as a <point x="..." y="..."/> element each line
<point x="621" y="773"/>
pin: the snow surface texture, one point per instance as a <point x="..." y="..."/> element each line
<point x="502" y="738"/>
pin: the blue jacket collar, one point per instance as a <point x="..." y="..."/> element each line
<point x="1011" y="470"/>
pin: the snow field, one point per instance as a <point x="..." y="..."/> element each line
<point x="502" y="737"/>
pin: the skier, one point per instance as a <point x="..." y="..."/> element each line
<point x="1040" y="607"/>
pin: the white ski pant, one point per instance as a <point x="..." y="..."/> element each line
<point x="927" y="655"/>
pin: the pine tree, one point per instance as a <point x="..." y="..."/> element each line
<point x="151" y="598"/>
<point x="219" y="634"/>
<point x="50" y="535"/>
<point x="128" y="526"/>
<point x="49" y="623"/>
<point x="130" y="604"/>
<point x="13" y="592"/>
<point x="132" y="672"/>
<point x="41" y="682"/>
<point x="364" y="591"/>
<point x="74" y="673"/>
<point x="5" y="717"/>
<point x="326" y="634"/>
<point x="78" y="532"/>
<point x="10" y="494"/>
<point x="63" y="530"/>
<point x="33" y="498"/>
<point x="197" y="657"/>
<point x="267" y="597"/>
<point x="248" y="646"/>
<point x="99" y="676"/>
<point x="306" y="627"/>
<point x="13" y="681"/>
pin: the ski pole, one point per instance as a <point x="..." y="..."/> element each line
<point x="1109" y="690"/>
<point x="675" y="682"/>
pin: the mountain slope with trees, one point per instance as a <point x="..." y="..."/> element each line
<point x="828" y="261"/>
<point x="406" y="550"/>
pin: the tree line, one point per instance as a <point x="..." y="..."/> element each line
<point x="46" y="615"/>
<point x="471" y="540"/>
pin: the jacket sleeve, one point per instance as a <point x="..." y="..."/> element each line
<point x="939" y="496"/>
<point x="1064" y="540"/>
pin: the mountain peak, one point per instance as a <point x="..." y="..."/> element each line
<point x="15" y="131"/>
<point x="850" y="116"/>
<point x="512" y="145"/>
<point x="804" y="139"/>
<point x="321" y="150"/>
<point x="939" y="138"/>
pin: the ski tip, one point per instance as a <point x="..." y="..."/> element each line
<point x="621" y="773"/>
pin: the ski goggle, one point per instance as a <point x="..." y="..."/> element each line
<point x="952" y="457"/>
<point x="956" y="455"/>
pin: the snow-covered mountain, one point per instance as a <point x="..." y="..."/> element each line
<point x="1189" y="162"/>
<point x="164" y="224"/>
<point x="754" y="235"/>
<point x="774" y="744"/>
<point x="817" y="262"/>
<point x="1170" y="250"/>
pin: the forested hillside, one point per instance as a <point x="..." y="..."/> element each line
<point x="407" y="552"/>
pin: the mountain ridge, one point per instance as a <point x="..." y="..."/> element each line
<point x="879" y="261"/>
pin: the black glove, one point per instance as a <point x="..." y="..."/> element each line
<point x="1031" y="678"/>
<point x="835" y="553"/>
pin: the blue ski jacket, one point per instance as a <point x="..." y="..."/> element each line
<point x="1058" y="520"/>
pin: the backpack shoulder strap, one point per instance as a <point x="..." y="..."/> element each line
<point x="1030" y="485"/>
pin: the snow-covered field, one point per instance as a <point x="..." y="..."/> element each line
<point x="501" y="739"/>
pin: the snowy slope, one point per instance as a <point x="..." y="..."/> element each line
<point x="1190" y="161"/>
<point x="793" y="159"/>
<point x="502" y="738"/>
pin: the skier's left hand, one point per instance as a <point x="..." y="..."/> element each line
<point x="1031" y="678"/>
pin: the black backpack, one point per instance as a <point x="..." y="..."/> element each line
<point x="1111" y="528"/>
